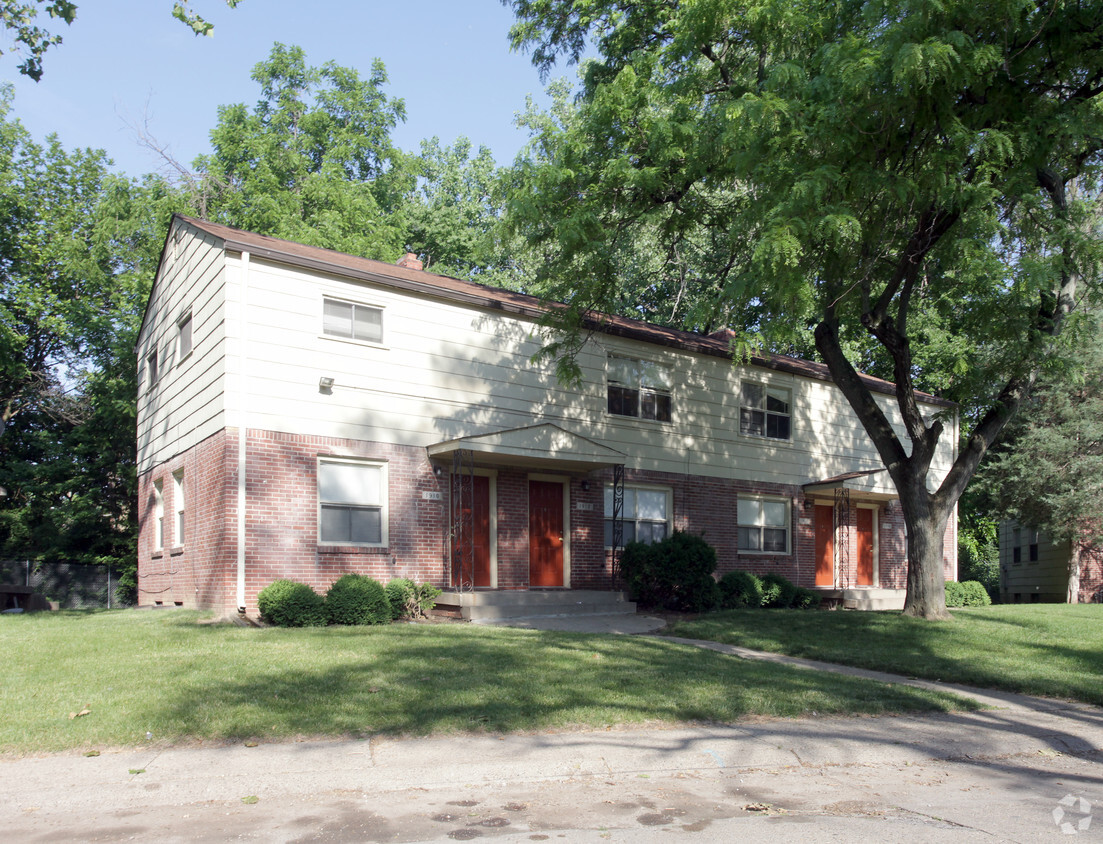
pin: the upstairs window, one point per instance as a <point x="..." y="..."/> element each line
<point x="763" y="525"/>
<point x="639" y="388"/>
<point x="765" y="411"/>
<point x="183" y="337"/>
<point x="352" y="321"/>
<point x="352" y="497"/>
<point x="151" y="367"/>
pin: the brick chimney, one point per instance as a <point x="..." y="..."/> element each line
<point x="410" y="261"/>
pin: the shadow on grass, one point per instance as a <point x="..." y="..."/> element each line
<point x="411" y="679"/>
<point x="1029" y="650"/>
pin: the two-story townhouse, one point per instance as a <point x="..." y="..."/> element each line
<point x="304" y="413"/>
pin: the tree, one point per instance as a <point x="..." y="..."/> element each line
<point x="1048" y="474"/>
<point x="918" y="174"/>
<point x="21" y="20"/>
<point x="312" y="162"/>
<point x="78" y="250"/>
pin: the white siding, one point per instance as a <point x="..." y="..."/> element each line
<point x="186" y="403"/>
<point x="445" y="370"/>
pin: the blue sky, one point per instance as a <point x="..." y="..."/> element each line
<point x="129" y="61"/>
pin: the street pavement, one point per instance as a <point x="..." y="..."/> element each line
<point x="1025" y="770"/>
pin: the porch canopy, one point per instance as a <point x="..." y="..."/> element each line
<point x="870" y="485"/>
<point x="544" y="446"/>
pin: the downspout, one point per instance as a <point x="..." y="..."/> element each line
<point x="241" y="435"/>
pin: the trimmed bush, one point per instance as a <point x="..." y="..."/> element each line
<point x="971" y="593"/>
<point x="288" y="603"/>
<point x="356" y="599"/>
<point x="807" y="599"/>
<point x="740" y="589"/>
<point x="673" y="574"/>
<point x="778" y="591"/>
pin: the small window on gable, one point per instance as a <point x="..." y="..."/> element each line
<point x="183" y="338"/>
<point x="352" y="321"/>
<point x="352" y="502"/>
<point x="765" y="411"/>
<point x="151" y="367"/>
<point x="763" y="525"/>
<point x="639" y="388"/>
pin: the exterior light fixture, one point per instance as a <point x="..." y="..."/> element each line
<point x="325" y="383"/>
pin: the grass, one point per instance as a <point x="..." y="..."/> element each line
<point x="182" y="680"/>
<point x="1053" y="650"/>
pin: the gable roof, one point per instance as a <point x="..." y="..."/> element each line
<point x="509" y="301"/>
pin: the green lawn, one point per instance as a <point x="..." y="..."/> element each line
<point x="181" y="680"/>
<point x="1040" y="649"/>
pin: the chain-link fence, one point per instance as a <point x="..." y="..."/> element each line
<point x="71" y="585"/>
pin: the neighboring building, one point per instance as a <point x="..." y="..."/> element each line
<point x="304" y="413"/>
<point x="1034" y="568"/>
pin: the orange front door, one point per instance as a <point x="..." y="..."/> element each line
<point x="865" y="547"/>
<point x="825" y="545"/>
<point x="471" y="554"/>
<point x="545" y="533"/>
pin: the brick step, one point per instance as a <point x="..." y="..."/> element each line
<point x="517" y="603"/>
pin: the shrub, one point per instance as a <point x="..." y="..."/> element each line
<point x="777" y="591"/>
<point x="288" y="603"/>
<point x="673" y="574"/>
<point x="401" y="597"/>
<point x="410" y="600"/>
<point x="807" y="599"/>
<point x="426" y="597"/>
<point x="356" y="599"/>
<point x="740" y="589"/>
<point x="970" y="593"/>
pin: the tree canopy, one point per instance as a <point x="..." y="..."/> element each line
<point x="914" y="181"/>
<point x="26" y="29"/>
<point x="313" y="161"/>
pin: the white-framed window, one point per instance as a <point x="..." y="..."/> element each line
<point x="639" y="388"/>
<point x="352" y="320"/>
<point x="151" y="366"/>
<point x="352" y="502"/>
<point x="178" y="507"/>
<point x="765" y="411"/>
<point x="158" y="514"/>
<point x="183" y="337"/>
<point x="763" y="525"/>
<point x="646" y="514"/>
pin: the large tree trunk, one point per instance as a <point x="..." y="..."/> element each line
<point x="926" y="522"/>
<point x="1073" y="596"/>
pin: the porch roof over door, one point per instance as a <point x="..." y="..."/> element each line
<point x="544" y="446"/>
<point x="870" y="485"/>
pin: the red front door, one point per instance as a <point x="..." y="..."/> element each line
<point x="865" y="547"/>
<point x="545" y="533"/>
<point x="825" y="545"/>
<point x="471" y="554"/>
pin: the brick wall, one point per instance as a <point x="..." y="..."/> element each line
<point x="1091" y="576"/>
<point x="282" y="523"/>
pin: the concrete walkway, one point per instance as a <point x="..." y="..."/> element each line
<point x="1025" y="770"/>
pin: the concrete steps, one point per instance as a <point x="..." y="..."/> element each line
<point x="864" y="598"/>
<point x="519" y="603"/>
